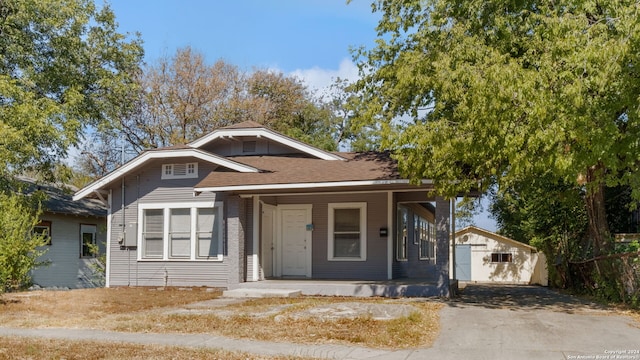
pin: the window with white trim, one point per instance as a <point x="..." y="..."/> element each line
<point x="180" y="233"/>
<point x="43" y="228"/>
<point x="425" y="233"/>
<point x="207" y="230"/>
<point x="152" y="233"/>
<point x="188" y="231"/>
<point x="88" y="237"/>
<point x="402" y="237"/>
<point x="347" y="235"/>
<point x="501" y="257"/>
<point x="180" y="171"/>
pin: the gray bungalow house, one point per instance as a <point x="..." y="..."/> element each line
<point x="244" y="204"/>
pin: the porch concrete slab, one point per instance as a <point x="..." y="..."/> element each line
<point x="356" y="288"/>
<point x="260" y="293"/>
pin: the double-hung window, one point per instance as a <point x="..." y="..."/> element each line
<point x="43" y="228"/>
<point x="402" y="237"/>
<point x="88" y="238"/>
<point x="152" y="233"/>
<point x="208" y="224"/>
<point x="181" y="231"/>
<point x="347" y="232"/>
<point x="425" y="232"/>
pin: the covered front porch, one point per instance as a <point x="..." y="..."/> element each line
<point x="355" y="288"/>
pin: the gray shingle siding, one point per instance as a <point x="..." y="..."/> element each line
<point x="67" y="268"/>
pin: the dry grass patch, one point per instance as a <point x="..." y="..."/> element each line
<point x="36" y="349"/>
<point x="419" y="328"/>
<point x="271" y="319"/>
<point x="87" y="307"/>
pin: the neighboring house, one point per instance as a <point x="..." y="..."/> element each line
<point x="245" y="203"/>
<point x="484" y="256"/>
<point x="71" y="226"/>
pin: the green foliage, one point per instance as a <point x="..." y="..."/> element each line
<point x="63" y="67"/>
<point x="504" y="93"/>
<point x="514" y="89"/>
<point x="99" y="266"/>
<point x="536" y="99"/>
<point x="19" y="246"/>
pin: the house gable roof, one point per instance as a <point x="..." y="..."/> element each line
<point x="254" y="129"/>
<point x="163" y="153"/>
<point x="492" y="235"/>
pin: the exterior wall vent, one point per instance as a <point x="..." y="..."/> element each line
<point x="179" y="171"/>
<point x="248" y="147"/>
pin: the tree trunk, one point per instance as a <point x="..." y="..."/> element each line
<point x="599" y="234"/>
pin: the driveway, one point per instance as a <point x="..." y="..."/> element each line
<point x="530" y="322"/>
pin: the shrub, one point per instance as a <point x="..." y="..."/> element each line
<point x="20" y="247"/>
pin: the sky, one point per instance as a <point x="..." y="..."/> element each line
<point x="309" y="39"/>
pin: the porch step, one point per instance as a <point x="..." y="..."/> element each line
<point x="260" y="293"/>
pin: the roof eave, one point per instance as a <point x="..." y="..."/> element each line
<point x="299" y="186"/>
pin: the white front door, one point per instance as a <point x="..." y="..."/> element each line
<point x="295" y="240"/>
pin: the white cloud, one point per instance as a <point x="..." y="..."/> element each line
<point x="318" y="79"/>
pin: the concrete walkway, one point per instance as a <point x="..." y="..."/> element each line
<point x="484" y="323"/>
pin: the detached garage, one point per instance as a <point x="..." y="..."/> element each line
<point x="484" y="256"/>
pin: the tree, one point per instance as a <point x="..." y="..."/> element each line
<point x="550" y="216"/>
<point x="20" y="247"/>
<point x="286" y="105"/>
<point x="182" y="98"/>
<point x="504" y="92"/>
<point x="63" y="68"/>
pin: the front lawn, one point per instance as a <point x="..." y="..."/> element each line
<point x="275" y="319"/>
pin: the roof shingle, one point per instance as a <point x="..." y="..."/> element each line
<point x="296" y="170"/>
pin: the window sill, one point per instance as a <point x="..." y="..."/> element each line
<point x="218" y="259"/>
<point x="347" y="259"/>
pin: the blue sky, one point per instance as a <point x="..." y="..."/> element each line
<point x="309" y="39"/>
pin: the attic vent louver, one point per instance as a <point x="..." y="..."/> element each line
<point x="248" y="146"/>
<point x="179" y="171"/>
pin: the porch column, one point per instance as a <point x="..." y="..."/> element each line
<point x="236" y="225"/>
<point x="443" y="224"/>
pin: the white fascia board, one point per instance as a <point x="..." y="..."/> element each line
<point x="285" y="140"/>
<point x="304" y="185"/>
<point x="160" y="154"/>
